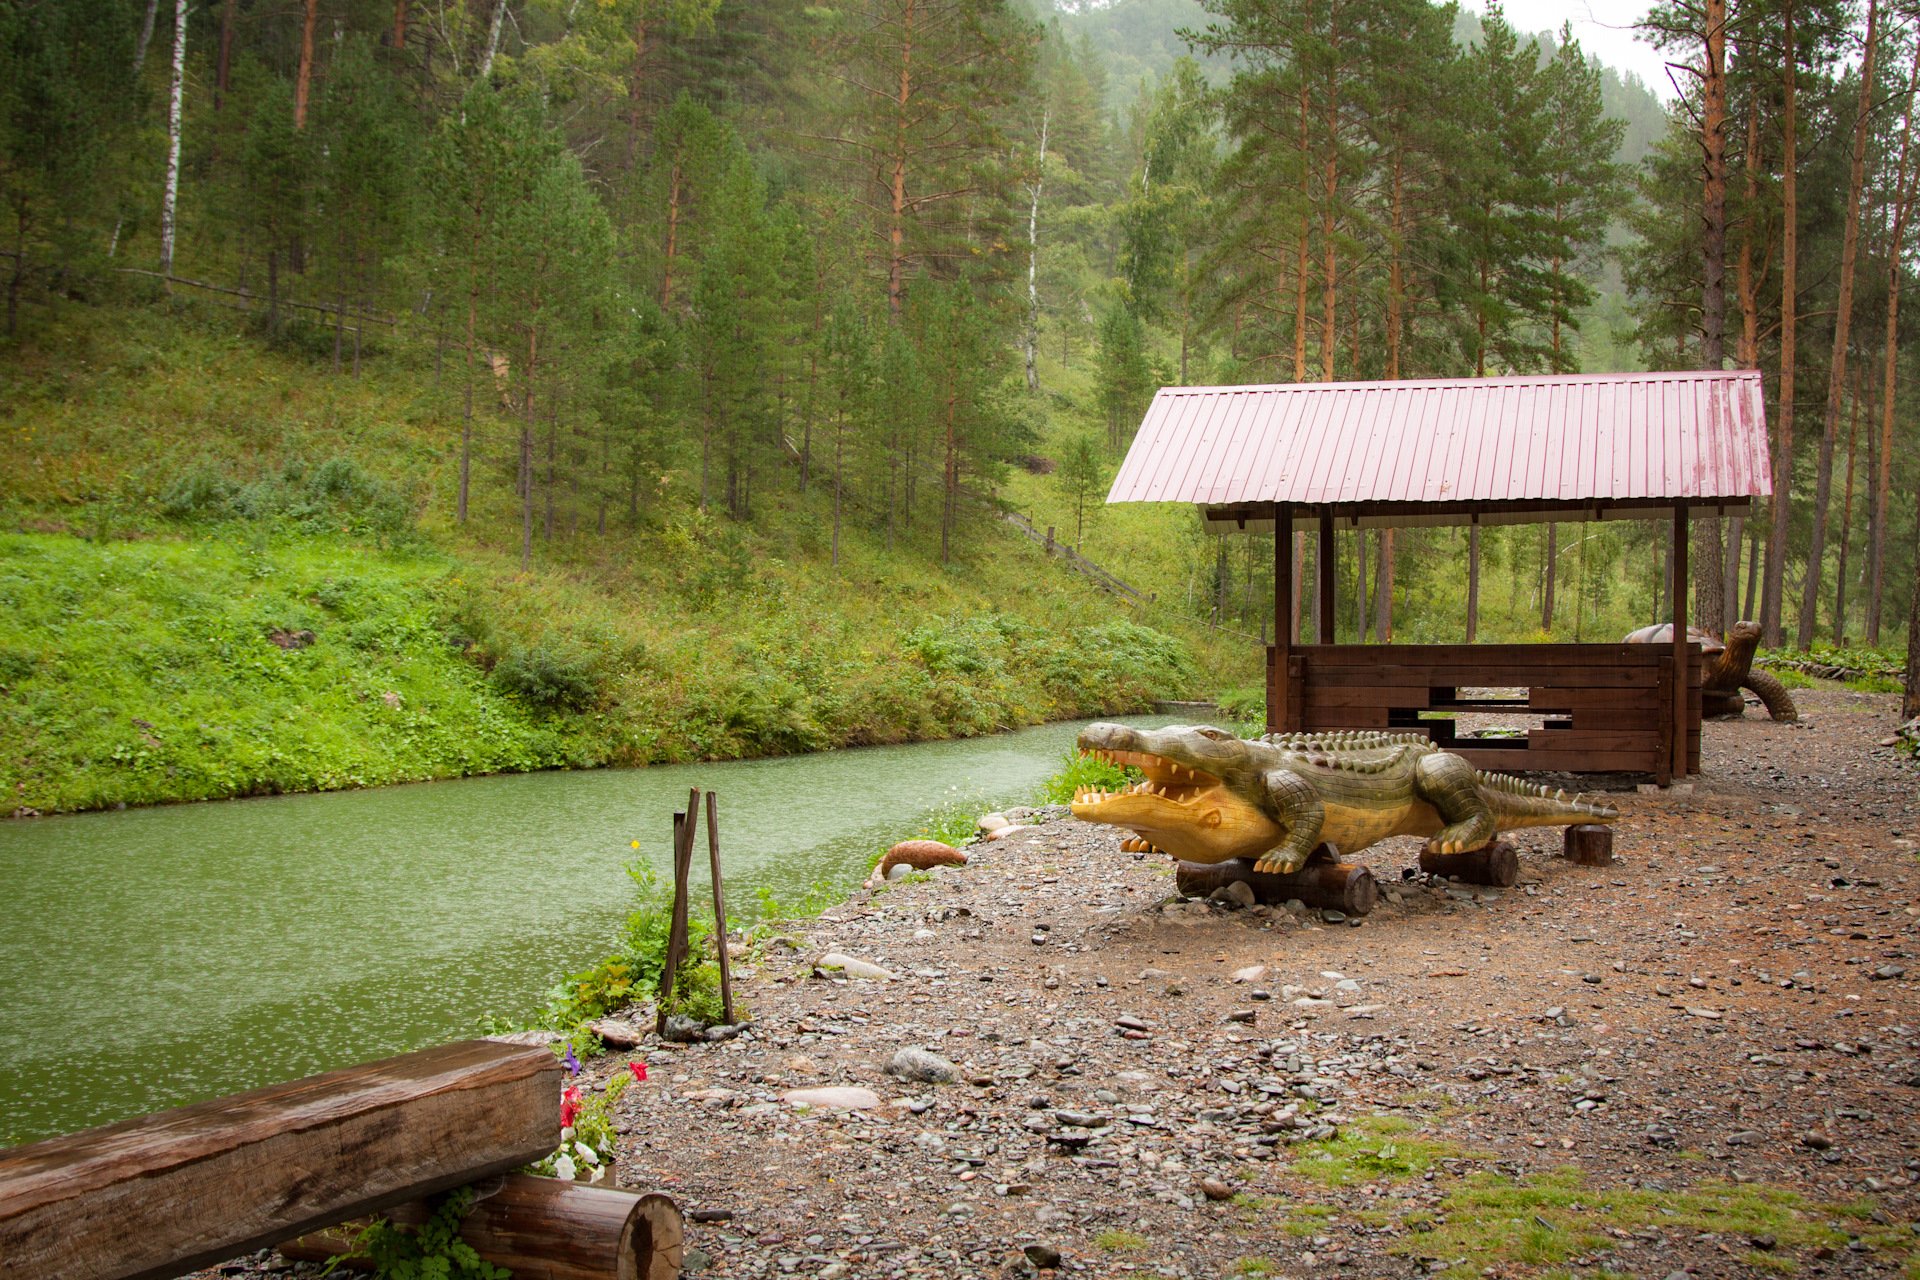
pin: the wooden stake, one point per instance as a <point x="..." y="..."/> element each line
<point x="719" y="909"/>
<point x="684" y="827"/>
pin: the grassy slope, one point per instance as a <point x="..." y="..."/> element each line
<point x="169" y="517"/>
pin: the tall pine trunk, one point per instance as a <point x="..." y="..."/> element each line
<point x="1773" y="588"/>
<point x="1904" y="185"/>
<point x="1709" y="586"/>
<point x="897" y="192"/>
<point x="1473" y="583"/>
<point x="1846" y="526"/>
<point x="1549" y="577"/>
<point x="303" y="82"/>
<point x="1842" y="327"/>
<point x="1744" y="283"/>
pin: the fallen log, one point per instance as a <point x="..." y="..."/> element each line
<point x="166" y="1194"/>
<point x="1321" y="883"/>
<point x="1498" y="864"/>
<point x="543" y="1229"/>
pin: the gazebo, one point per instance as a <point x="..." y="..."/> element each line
<point x="1463" y="451"/>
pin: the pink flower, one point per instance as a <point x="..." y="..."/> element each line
<point x="639" y="1070"/>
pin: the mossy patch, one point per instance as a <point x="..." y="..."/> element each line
<point x="1372" y="1149"/>
<point x="1550" y="1218"/>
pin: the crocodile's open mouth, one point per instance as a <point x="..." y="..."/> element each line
<point x="1167" y="783"/>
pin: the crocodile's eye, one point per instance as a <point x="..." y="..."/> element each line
<point x="1218" y="735"/>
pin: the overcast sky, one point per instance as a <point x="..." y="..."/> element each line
<point x="1604" y="29"/>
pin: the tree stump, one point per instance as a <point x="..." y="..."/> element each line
<point x="1589" y="845"/>
<point x="1498" y="864"/>
<point x="1324" y="882"/>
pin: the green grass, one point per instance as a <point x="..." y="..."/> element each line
<point x="1120" y="1241"/>
<point x="1371" y="1149"/>
<point x="1549" y="1218"/>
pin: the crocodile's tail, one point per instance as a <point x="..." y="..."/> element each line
<point x="1518" y="803"/>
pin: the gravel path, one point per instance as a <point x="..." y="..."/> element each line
<point x="1702" y="1059"/>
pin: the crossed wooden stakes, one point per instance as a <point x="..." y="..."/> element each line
<point x="685" y="827"/>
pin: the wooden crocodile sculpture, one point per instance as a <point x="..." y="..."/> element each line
<point x="1210" y="796"/>
<point x="1728" y="667"/>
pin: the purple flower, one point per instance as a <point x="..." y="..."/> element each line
<point x="573" y="1063"/>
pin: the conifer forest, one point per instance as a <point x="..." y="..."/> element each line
<point x="893" y="256"/>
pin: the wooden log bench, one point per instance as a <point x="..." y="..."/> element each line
<point x="166" y="1194"/>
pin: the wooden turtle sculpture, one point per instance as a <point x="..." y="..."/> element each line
<point x="1728" y="669"/>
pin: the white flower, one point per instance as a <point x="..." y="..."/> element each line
<point x="563" y="1168"/>
<point x="599" y="1172"/>
<point x="566" y="1134"/>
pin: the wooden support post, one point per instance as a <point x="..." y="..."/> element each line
<point x="166" y="1194"/>
<point x="1590" y="844"/>
<point x="1680" y="644"/>
<point x="1325" y="584"/>
<point x="719" y="909"/>
<point x="1498" y="865"/>
<point x="1323" y="882"/>
<point x="543" y="1229"/>
<point x="1277" y="708"/>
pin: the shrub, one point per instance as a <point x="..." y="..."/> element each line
<point x="1085" y="771"/>
<point x="549" y="678"/>
<point x="199" y="493"/>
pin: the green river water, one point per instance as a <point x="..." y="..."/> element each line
<point x="153" y="957"/>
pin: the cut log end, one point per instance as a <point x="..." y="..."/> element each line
<point x="1589" y="845"/>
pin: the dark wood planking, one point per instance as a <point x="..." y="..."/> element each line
<point x="545" y="1229"/>
<point x="168" y="1193"/>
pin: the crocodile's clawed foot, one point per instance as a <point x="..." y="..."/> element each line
<point x="1273" y="864"/>
<point x="1451" y="841"/>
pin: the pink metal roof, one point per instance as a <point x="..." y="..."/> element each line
<point x="1627" y="442"/>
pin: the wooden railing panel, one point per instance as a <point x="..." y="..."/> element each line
<point x="1609" y="707"/>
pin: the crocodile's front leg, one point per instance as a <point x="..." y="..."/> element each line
<point x="1294" y="805"/>
<point x="1448" y="784"/>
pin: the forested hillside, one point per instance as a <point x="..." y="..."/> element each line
<point x="629" y="321"/>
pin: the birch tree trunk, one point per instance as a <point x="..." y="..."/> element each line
<point x="493" y="37"/>
<point x="146" y="36"/>
<point x="1033" y="259"/>
<point x="169" y="200"/>
<point x="1842" y="326"/>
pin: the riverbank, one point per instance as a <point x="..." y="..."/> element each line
<point x="225" y="663"/>
<point x="1702" y="1059"/>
